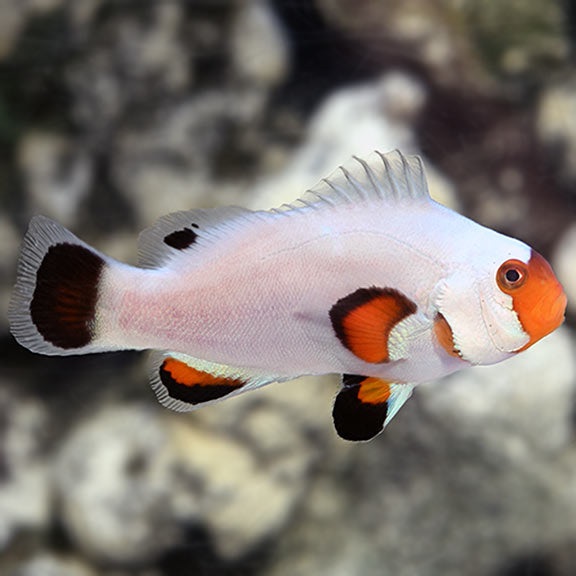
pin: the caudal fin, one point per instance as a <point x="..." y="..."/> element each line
<point x="54" y="303"/>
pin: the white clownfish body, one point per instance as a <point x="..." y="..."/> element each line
<point x="365" y="276"/>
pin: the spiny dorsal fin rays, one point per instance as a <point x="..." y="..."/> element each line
<point x="374" y="183"/>
<point x="358" y="187"/>
<point x="390" y="177"/>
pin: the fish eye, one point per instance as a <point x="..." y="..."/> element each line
<point x="511" y="275"/>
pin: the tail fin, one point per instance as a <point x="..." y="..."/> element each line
<point x="54" y="302"/>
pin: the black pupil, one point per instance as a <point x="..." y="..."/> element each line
<point x="512" y="275"/>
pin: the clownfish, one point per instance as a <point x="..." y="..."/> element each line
<point x="365" y="276"/>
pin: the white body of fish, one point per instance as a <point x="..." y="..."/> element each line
<point x="250" y="294"/>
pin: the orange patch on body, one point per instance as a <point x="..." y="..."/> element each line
<point x="444" y="335"/>
<point x="374" y="391"/>
<point x="364" y="319"/>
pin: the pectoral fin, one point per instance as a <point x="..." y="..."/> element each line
<point x="365" y="405"/>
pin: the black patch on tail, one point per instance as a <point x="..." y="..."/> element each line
<point x="65" y="296"/>
<point x="355" y="420"/>
<point x="181" y="239"/>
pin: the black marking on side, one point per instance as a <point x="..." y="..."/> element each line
<point x="358" y="298"/>
<point x="65" y="296"/>
<point x="355" y="420"/>
<point x="194" y="393"/>
<point x="181" y="239"/>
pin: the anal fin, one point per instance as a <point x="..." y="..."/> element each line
<point x="365" y="405"/>
<point x="183" y="383"/>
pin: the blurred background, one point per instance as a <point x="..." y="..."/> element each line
<point x="116" y="112"/>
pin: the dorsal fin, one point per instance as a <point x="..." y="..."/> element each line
<point x="390" y="177"/>
<point x="182" y="230"/>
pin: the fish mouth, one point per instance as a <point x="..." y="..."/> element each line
<point x="549" y="310"/>
<point x="554" y="306"/>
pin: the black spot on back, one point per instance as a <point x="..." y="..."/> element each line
<point x="181" y="239"/>
<point x="64" y="300"/>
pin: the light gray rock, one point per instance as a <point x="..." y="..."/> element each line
<point x="113" y="482"/>
<point x="238" y="501"/>
<point x="433" y="33"/>
<point x="48" y="565"/>
<point x="25" y="491"/>
<point x="9" y="248"/>
<point x="166" y="161"/>
<point x="564" y="264"/>
<point x="245" y="464"/>
<point x="128" y="478"/>
<point x="522" y="407"/>
<point x="166" y="165"/>
<point x="463" y="44"/>
<point x="533" y="43"/>
<point x="14" y="15"/>
<point x="82" y="13"/>
<point x="475" y="471"/>
<point x="11" y="21"/>
<point x="556" y="125"/>
<point x="130" y="59"/>
<point x="354" y="121"/>
<point x="259" y="47"/>
<point x="57" y="175"/>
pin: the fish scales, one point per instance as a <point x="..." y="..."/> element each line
<point x="273" y="298"/>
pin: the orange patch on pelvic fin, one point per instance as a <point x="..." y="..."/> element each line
<point x="189" y="376"/>
<point x="445" y="336"/>
<point x="186" y="383"/>
<point x="364" y="319"/>
<point x="374" y="391"/>
<point x="361" y="407"/>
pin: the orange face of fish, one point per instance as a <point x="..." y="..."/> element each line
<point x="537" y="296"/>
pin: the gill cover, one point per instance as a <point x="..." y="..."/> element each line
<point x="498" y="309"/>
<point x="484" y="326"/>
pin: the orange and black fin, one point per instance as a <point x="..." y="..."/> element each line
<point x="183" y="383"/>
<point x="189" y="385"/>
<point x="365" y="405"/>
<point x="54" y="303"/>
<point x="364" y="319"/>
